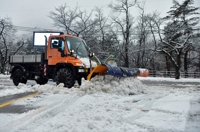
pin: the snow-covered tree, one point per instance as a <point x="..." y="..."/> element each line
<point x="72" y="20"/>
<point x="154" y="22"/>
<point x="142" y="35"/>
<point x="6" y="34"/>
<point x="123" y="20"/>
<point x="178" y="32"/>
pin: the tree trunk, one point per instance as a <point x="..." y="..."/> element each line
<point x="186" y="64"/>
<point x="199" y="59"/>
<point x="153" y="65"/>
<point x="168" y="66"/>
<point x="177" y="74"/>
<point x="126" y="57"/>
<point x="178" y="66"/>
<point x="2" y="65"/>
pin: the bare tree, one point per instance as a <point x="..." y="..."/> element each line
<point x="102" y="25"/>
<point x="6" y="33"/>
<point x="154" y="22"/>
<point x="142" y="34"/>
<point x="73" y="20"/>
<point x="106" y="37"/>
<point x="121" y="16"/>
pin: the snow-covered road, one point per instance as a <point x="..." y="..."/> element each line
<point x="110" y="105"/>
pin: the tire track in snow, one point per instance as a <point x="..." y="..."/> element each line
<point x="193" y="119"/>
<point x="154" y="116"/>
<point x="38" y="116"/>
<point x="144" y="105"/>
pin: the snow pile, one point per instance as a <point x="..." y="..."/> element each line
<point x="48" y="88"/>
<point x="5" y="78"/>
<point x="109" y="84"/>
<point x="10" y="90"/>
<point x="103" y="84"/>
<point x="113" y="85"/>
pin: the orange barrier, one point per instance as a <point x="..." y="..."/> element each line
<point x="143" y="72"/>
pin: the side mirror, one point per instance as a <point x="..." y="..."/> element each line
<point x="91" y="55"/>
<point x="61" y="51"/>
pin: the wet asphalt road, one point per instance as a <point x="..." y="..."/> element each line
<point x="14" y="108"/>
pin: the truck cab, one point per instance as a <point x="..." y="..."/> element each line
<point x="66" y="49"/>
<point x="71" y="53"/>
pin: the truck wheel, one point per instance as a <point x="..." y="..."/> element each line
<point x="18" y="77"/>
<point x="65" y="76"/>
<point x="41" y="81"/>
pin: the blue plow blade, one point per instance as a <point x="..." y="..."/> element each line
<point x="130" y="72"/>
<point x="122" y="71"/>
<point x="114" y="71"/>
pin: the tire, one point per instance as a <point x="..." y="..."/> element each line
<point x="65" y="76"/>
<point x="18" y="77"/>
<point x="41" y="81"/>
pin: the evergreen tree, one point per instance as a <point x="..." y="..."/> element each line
<point x="182" y="19"/>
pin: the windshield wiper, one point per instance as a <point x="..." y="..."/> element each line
<point x="77" y="47"/>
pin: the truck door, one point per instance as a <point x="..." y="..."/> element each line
<point x="54" y="56"/>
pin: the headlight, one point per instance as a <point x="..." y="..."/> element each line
<point x="81" y="70"/>
<point x="78" y="64"/>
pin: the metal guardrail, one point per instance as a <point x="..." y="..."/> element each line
<point x="171" y="74"/>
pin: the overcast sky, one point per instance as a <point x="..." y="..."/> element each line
<point x="34" y="13"/>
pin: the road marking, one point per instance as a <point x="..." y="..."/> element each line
<point x="12" y="101"/>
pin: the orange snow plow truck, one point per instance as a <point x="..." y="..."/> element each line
<point x="66" y="59"/>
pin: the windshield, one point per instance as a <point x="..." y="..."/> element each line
<point x="78" y="46"/>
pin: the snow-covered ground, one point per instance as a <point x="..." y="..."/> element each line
<point x="105" y="105"/>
